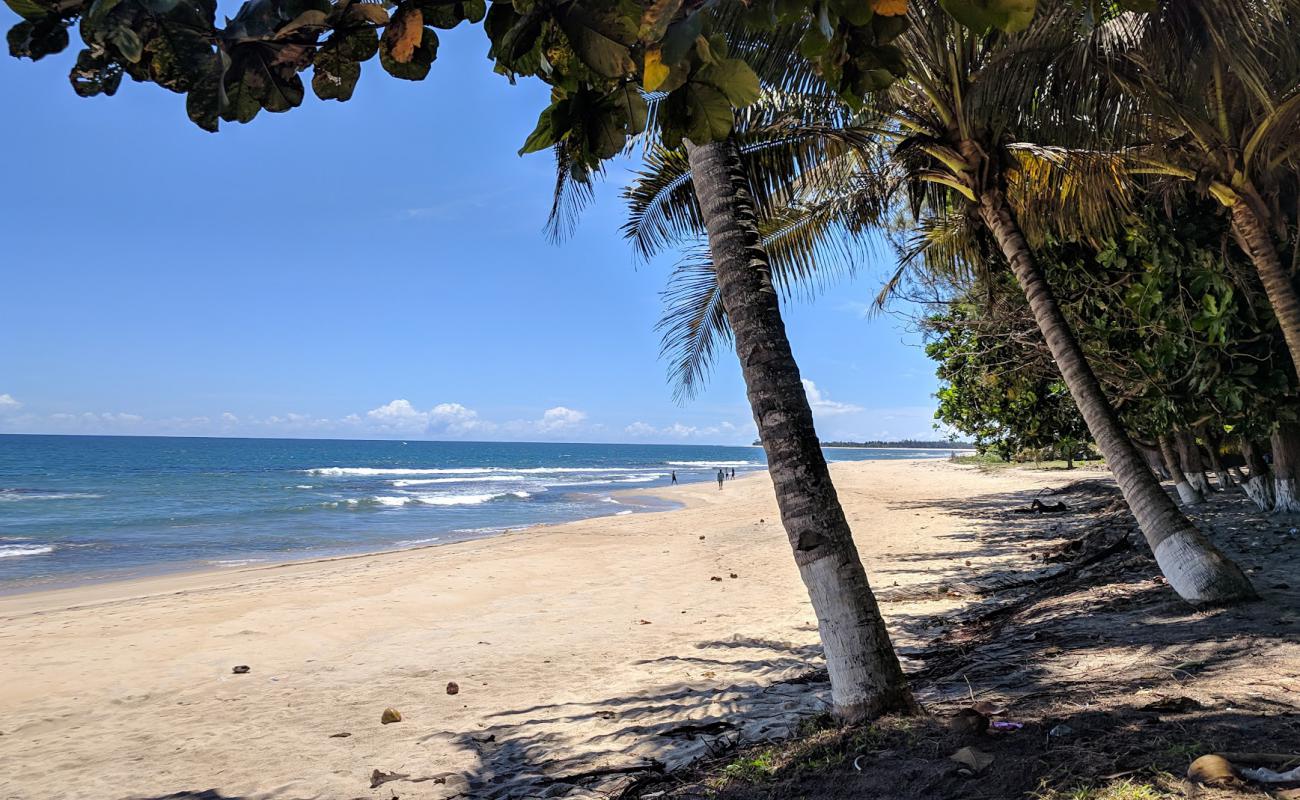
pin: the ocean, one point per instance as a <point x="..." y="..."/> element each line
<point x="79" y="509"/>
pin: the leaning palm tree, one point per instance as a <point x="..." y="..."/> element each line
<point x="1212" y="93"/>
<point x="955" y="124"/>
<point x="764" y="230"/>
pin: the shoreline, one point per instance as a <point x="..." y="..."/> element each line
<point x="576" y="649"/>
<point x="168" y="581"/>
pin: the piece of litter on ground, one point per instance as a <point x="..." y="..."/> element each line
<point x="1266" y="775"/>
<point x="1061" y="730"/>
<point x="973" y="759"/>
<point x="1006" y="725"/>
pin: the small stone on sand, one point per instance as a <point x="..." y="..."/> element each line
<point x="453" y="687"/>
<point x="242" y="669"/>
<point x="390" y="715"/>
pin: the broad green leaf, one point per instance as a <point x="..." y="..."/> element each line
<point x="709" y="116"/>
<point x="634" y="108"/>
<point x="734" y="78"/>
<point x="203" y="102"/>
<point x="544" y="135"/>
<point x="334" y="77"/>
<point x="982" y="15"/>
<point x="37" y="39"/>
<point x="597" y="42"/>
<point x="355" y="44"/>
<point x="27" y="9"/>
<point x="239" y="103"/>
<point x="93" y="75"/>
<point x="127" y="43"/>
<point x="680" y="38"/>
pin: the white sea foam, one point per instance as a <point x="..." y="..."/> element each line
<point x="714" y="464"/>
<point x="623" y="513"/>
<point x="236" y="562"/>
<point x="610" y="500"/>
<point x="393" y="501"/>
<point x="14" y="495"/>
<point x="410" y="542"/>
<point x="372" y="471"/>
<point x="16" y="550"/>
<point x="303" y="486"/>
<point x="639" y="478"/>
<point x="469" y="479"/>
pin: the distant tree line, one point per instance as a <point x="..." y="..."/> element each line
<point x="907" y="444"/>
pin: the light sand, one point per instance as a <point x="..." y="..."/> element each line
<point x="578" y="647"/>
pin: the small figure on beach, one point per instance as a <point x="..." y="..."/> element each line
<point x="721" y="478"/>
<point x="674" y="477"/>
<point x="733" y="472"/>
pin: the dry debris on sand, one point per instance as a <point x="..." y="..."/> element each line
<point x="1082" y="679"/>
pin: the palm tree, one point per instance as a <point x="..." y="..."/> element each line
<point x="952" y="121"/>
<point x="866" y="678"/>
<point x="1213" y="94"/>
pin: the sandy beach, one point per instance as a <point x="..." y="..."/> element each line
<point x="592" y="646"/>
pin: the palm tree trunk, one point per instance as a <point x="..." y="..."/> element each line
<point x="1187" y="493"/>
<point x="1259" y="483"/>
<point x="1192" y="565"/>
<point x="1193" y="465"/>
<point x="866" y="678"/>
<point x="1254" y="238"/>
<point x="1213" y="443"/>
<point x="1286" y="468"/>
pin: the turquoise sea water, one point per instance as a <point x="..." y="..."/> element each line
<point x="83" y="508"/>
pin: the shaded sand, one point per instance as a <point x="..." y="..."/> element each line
<point x="591" y="647"/>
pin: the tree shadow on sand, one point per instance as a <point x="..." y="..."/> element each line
<point x="1084" y="636"/>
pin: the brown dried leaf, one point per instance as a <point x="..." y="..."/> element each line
<point x="403" y="34"/>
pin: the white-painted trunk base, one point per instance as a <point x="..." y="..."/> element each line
<point x="1260" y="491"/>
<point x="1224" y="480"/>
<point x="1189" y="495"/>
<point x="1196" y="572"/>
<point x="1200" y="483"/>
<point x="1285" y="500"/>
<point x="849" y="656"/>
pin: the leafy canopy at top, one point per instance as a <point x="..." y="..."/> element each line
<point x="602" y="58"/>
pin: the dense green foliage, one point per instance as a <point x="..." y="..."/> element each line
<point x="1169" y="315"/>
<point x="998" y="385"/>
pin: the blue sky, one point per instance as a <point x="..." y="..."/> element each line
<point x="369" y="269"/>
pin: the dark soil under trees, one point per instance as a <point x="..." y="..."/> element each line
<point x="1117" y="683"/>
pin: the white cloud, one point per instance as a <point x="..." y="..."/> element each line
<point x="229" y="419"/>
<point x="8" y="404"/>
<point x="679" y="430"/>
<point x="822" y="404"/>
<point x="560" y="418"/>
<point x="454" y="418"/>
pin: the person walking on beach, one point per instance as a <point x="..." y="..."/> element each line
<point x="721" y="478"/>
<point x="674" y="477"/>
<point x="733" y="472"/>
